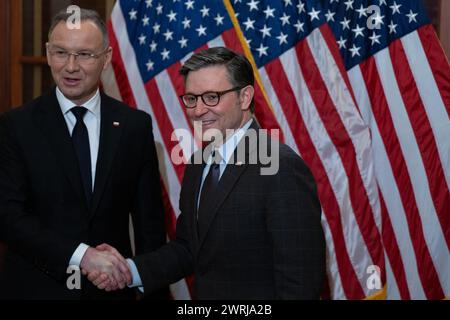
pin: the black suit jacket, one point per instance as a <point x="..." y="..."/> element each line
<point x="264" y="239"/>
<point x="43" y="213"/>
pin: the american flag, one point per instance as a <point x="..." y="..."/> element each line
<point x="360" y="89"/>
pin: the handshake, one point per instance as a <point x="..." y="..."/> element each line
<point x="105" y="267"/>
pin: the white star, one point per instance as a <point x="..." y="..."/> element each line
<point x="349" y="4"/>
<point x="249" y="24"/>
<point x="330" y="15"/>
<point x="172" y="16"/>
<point x="382" y="2"/>
<point x="153" y="46"/>
<point x="358" y="31"/>
<point x="334" y="1"/>
<point x="299" y="26"/>
<point x="189" y="4"/>
<point x="204" y="11"/>
<point x="253" y="5"/>
<point x="248" y="41"/>
<point x="262" y="50"/>
<point x="165" y="54"/>
<point x="287" y="3"/>
<point x="145" y="21"/>
<point x="142" y="39"/>
<point x="395" y="8"/>
<point x="269" y="12"/>
<point x="183" y="42"/>
<point x="345" y="24"/>
<point x="265" y="31"/>
<point x="159" y="8"/>
<point x="301" y="7"/>
<point x="219" y="19"/>
<point x="285" y="19"/>
<point x="282" y="38"/>
<point x="355" y="50"/>
<point x="150" y="65"/>
<point x="168" y="34"/>
<point x="314" y="14"/>
<point x="156" y="27"/>
<point x="149" y="3"/>
<point x="341" y="42"/>
<point x="133" y="14"/>
<point x="201" y="30"/>
<point x="412" y="16"/>
<point x="362" y="11"/>
<point x="392" y="27"/>
<point x="374" y="37"/>
<point x="186" y="23"/>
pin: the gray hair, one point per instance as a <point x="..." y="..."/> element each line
<point x="240" y="71"/>
<point x="85" y="14"/>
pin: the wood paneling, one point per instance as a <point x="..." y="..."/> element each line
<point x="5" y="88"/>
<point x="445" y="26"/>
<point x="16" y="53"/>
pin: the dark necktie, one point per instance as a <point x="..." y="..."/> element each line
<point x="80" y="140"/>
<point x="207" y="194"/>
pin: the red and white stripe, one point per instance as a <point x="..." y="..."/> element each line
<point x="316" y="109"/>
<point x="404" y="107"/>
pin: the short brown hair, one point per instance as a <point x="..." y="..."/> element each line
<point x="85" y="14"/>
<point x="240" y="71"/>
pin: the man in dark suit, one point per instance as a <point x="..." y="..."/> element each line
<point x="74" y="163"/>
<point x="242" y="233"/>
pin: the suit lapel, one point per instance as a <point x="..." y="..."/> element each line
<point x="227" y="182"/>
<point x="111" y="126"/>
<point x="197" y="172"/>
<point x="50" y="119"/>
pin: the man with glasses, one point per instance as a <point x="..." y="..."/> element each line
<point x="74" y="163"/>
<point x="243" y="234"/>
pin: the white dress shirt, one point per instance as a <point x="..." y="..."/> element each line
<point x="226" y="151"/>
<point x="92" y="122"/>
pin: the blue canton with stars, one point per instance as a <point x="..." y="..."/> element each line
<point x="361" y="27"/>
<point x="272" y="27"/>
<point x="165" y="31"/>
<point x="364" y="27"/>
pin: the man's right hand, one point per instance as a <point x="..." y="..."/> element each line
<point x="107" y="266"/>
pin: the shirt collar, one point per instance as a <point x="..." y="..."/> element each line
<point x="93" y="104"/>
<point x="226" y="150"/>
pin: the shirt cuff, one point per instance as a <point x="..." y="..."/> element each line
<point x="78" y="255"/>
<point x="136" y="282"/>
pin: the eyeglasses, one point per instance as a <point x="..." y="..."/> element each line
<point x="210" y="98"/>
<point x="84" y="57"/>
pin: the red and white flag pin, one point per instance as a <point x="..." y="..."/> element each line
<point x="116" y="124"/>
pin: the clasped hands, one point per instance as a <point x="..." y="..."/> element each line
<point x="105" y="267"/>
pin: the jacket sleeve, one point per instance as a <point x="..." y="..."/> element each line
<point x="20" y="228"/>
<point x="293" y="221"/>
<point x="148" y="211"/>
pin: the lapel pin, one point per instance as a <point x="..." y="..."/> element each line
<point x="116" y="124"/>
